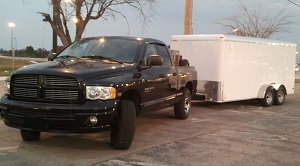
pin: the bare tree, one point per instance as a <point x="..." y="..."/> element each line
<point x="258" y="22"/>
<point x="87" y="10"/>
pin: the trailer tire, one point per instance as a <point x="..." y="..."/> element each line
<point x="268" y="99"/>
<point x="182" y="108"/>
<point x="123" y="128"/>
<point x="30" y="135"/>
<point x="279" y="96"/>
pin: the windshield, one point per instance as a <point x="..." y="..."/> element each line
<point x="113" y="49"/>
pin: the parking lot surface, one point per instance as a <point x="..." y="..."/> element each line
<point x="236" y="133"/>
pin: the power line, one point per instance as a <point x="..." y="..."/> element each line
<point x="294" y="3"/>
<point x="297" y="1"/>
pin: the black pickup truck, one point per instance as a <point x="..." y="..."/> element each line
<point x="96" y="84"/>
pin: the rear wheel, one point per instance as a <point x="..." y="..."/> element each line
<point x="279" y="96"/>
<point x="123" y="128"/>
<point x="30" y="135"/>
<point x="182" y="108"/>
<point x="268" y="99"/>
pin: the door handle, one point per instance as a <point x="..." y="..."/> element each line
<point x="161" y="76"/>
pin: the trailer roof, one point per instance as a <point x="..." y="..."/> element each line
<point x="222" y="37"/>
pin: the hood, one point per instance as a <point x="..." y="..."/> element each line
<point x="80" y="69"/>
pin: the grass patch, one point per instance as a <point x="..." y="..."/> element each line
<point x="6" y="65"/>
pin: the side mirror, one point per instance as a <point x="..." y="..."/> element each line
<point x="154" y="60"/>
<point x="184" y="62"/>
<point x="51" y="56"/>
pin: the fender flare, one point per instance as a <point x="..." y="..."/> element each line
<point x="262" y="90"/>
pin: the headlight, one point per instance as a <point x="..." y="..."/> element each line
<point x="100" y="92"/>
<point x="7" y="87"/>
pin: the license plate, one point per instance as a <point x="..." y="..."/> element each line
<point x="35" y="123"/>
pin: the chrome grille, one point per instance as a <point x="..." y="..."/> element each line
<point x="62" y="94"/>
<point x="45" y="88"/>
<point x="61" y="81"/>
<point x="26" y="92"/>
<point x="26" y="79"/>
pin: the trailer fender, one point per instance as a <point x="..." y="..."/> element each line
<point x="263" y="88"/>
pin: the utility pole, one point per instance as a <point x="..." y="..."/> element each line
<point x="188" y="17"/>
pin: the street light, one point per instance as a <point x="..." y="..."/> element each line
<point x="75" y="20"/>
<point x="12" y="25"/>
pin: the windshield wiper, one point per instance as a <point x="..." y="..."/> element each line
<point x="94" y="56"/>
<point x="101" y="57"/>
<point x="66" y="56"/>
<point x="111" y="59"/>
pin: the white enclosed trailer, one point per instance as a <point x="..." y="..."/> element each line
<point x="232" y="68"/>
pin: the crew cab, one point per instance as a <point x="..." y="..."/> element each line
<point x="95" y="84"/>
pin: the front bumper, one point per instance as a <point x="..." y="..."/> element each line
<point x="58" y="117"/>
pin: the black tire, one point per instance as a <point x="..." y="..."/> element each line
<point x="182" y="108"/>
<point x="123" y="128"/>
<point x="268" y="99"/>
<point x="279" y="96"/>
<point x="30" y="135"/>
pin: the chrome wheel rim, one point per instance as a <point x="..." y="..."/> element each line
<point x="269" y="97"/>
<point x="280" y="95"/>
<point x="187" y="103"/>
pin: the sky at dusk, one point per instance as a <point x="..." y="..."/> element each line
<point x="30" y="30"/>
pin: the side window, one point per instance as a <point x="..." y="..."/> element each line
<point x="163" y="51"/>
<point x="151" y="50"/>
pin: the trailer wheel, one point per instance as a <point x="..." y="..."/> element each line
<point x="123" y="128"/>
<point x="182" y="108"/>
<point x="268" y="99"/>
<point x="30" y="135"/>
<point x="279" y="96"/>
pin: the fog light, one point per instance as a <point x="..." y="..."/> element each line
<point x="92" y="120"/>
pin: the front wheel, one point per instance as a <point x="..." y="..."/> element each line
<point x="30" y="135"/>
<point x="279" y="96"/>
<point x="268" y="99"/>
<point x="123" y="128"/>
<point x="182" y="108"/>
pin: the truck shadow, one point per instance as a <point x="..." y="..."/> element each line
<point x="92" y="141"/>
<point x="244" y="103"/>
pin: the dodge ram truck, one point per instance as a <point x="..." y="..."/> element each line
<point x="95" y="84"/>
